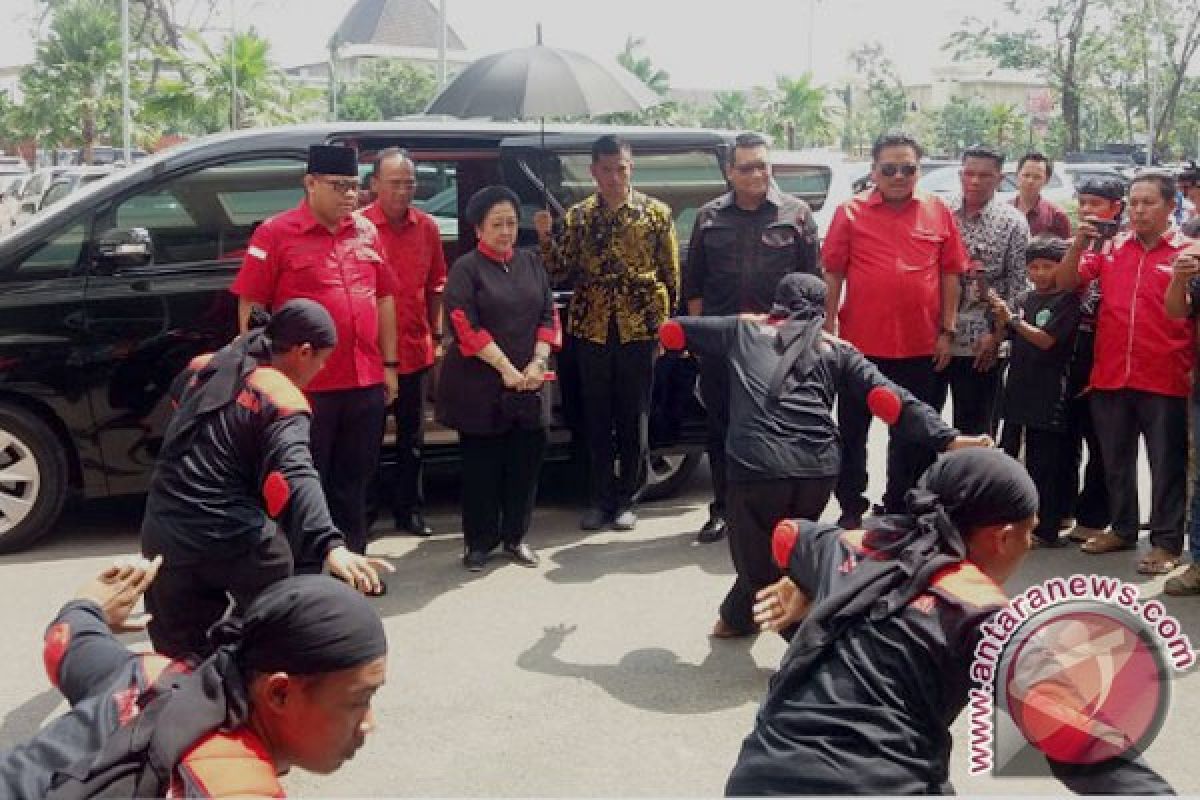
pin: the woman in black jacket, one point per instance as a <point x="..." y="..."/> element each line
<point x="503" y="326"/>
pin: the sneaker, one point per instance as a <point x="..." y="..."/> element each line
<point x="1184" y="584"/>
<point x="522" y="554"/>
<point x="414" y="523"/>
<point x="475" y="560"/>
<point x="712" y="531"/>
<point x="625" y="520"/>
<point x="596" y="519"/>
<point x="849" y="521"/>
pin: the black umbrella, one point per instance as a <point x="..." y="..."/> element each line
<point x="538" y="82"/>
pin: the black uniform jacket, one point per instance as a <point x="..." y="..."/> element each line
<point x="248" y="467"/>
<point x="873" y="714"/>
<point x="736" y="258"/>
<point x="796" y="437"/>
<point x="107" y="685"/>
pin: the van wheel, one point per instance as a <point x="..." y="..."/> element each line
<point x="33" y="478"/>
<point x="667" y="474"/>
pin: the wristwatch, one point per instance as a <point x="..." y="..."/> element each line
<point x="391" y="364"/>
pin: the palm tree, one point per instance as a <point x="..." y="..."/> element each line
<point x="201" y="98"/>
<point x="797" y="109"/>
<point x="641" y="66"/>
<point x="71" y="84"/>
<point x="730" y="110"/>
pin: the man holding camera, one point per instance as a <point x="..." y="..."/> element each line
<point x="1140" y="378"/>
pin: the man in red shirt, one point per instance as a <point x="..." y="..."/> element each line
<point x="1033" y="172"/>
<point x="323" y="251"/>
<point x="1140" y="377"/>
<point x="898" y="256"/>
<point x="413" y="250"/>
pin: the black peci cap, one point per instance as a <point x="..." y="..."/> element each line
<point x="332" y="159"/>
<point x="1112" y="188"/>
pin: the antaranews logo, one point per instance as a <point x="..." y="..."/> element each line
<point x="1074" y="669"/>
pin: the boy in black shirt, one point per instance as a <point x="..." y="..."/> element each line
<point x="1042" y="331"/>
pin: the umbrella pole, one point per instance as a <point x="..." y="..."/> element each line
<point x="542" y="177"/>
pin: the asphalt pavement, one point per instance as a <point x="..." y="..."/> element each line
<point x="590" y="675"/>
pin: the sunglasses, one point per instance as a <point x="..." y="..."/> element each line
<point x="341" y="187"/>
<point x="890" y="170"/>
<point x="753" y="166"/>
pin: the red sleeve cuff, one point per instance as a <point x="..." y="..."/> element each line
<point x="470" y="340"/>
<point x="551" y="335"/>
<point x="783" y="542"/>
<point x="672" y="336"/>
<point x="54" y="649"/>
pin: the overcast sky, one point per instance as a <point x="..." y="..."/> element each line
<point x="702" y="44"/>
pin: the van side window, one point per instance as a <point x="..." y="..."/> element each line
<point x="209" y="214"/>
<point x="809" y="182"/>
<point x="684" y="181"/>
<point x="56" y="258"/>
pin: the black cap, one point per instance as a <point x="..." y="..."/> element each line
<point x="332" y="159"/>
<point x="1112" y="188"/>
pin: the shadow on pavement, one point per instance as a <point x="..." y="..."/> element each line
<point x="591" y="561"/>
<point x="26" y="719"/>
<point x="654" y="679"/>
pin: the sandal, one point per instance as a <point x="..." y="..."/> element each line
<point x="1184" y="584"/>
<point x="1106" y="542"/>
<point x="1158" y="562"/>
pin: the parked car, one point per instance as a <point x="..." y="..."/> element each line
<point x="74" y="178"/>
<point x="90" y="341"/>
<point x="35" y="188"/>
<point x="946" y="183"/>
<point x="12" y="165"/>
<point x="820" y="178"/>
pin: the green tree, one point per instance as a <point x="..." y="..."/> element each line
<point x="797" y="112"/>
<point x="631" y="59"/>
<point x="200" y="99"/>
<point x="886" y="102"/>
<point x="71" y="89"/>
<point x="1061" y="40"/>
<point x="388" y="89"/>
<point x="960" y="123"/>
<point x="732" y="110"/>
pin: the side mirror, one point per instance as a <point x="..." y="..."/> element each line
<point x="119" y="248"/>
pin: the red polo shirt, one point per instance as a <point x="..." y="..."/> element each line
<point x="1137" y="345"/>
<point x="413" y="251"/>
<point x="292" y="255"/>
<point x="892" y="260"/>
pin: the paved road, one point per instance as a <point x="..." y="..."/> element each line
<point x="589" y="676"/>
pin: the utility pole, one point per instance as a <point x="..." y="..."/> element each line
<point x="126" y="114"/>
<point x="441" y="44"/>
<point x="812" y="25"/>
<point x="233" y="98"/>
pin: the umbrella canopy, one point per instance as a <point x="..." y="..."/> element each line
<point x="540" y="81"/>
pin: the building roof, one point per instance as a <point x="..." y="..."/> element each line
<point x="395" y="23"/>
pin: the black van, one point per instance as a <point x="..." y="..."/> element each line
<point x="94" y="325"/>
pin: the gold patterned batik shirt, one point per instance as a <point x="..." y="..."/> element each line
<point x="622" y="262"/>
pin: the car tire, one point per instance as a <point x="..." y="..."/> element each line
<point x="33" y="478"/>
<point x="667" y="473"/>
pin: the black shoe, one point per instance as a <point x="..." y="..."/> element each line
<point x="596" y="519"/>
<point x="712" y="531"/>
<point x="475" y="560"/>
<point x="522" y="554"/>
<point x="414" y="523"/>
<point x="625" y="520"/>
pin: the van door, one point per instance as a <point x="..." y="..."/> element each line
<point x="147" y="322"/>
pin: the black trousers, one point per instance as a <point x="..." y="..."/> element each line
<point x="1089" y="502"/>
<point x="975" y="394"/>
<point x="905" y="460"/>
<point x="1121" y="416"/>
<point x="615" y="384"/>
<point x="499" y="486"/>
<point x="408" y="493"/>
<point x="1047" y="460"/>
<point x="714" y="388"/>
<point x="188" y="599"/>
<point x="755" y="507"/>
<point x="347" y="433"/>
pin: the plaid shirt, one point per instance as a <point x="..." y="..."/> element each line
<point x="624" y="263"/>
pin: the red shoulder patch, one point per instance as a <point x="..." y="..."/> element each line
<point x="966" y="583"/>
<point x="230" y="765"/>
<point x="54" y="648"/>
<point x="280" y="390"/>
